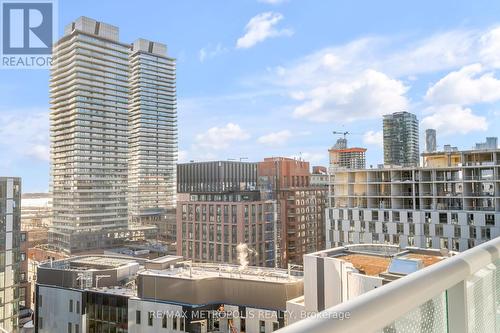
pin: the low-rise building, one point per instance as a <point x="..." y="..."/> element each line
<point x="337" y="275"/>
<point x="122" y="294"/>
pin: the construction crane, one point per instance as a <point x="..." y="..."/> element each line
<point x="342" y="133"/>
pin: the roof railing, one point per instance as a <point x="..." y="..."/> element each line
<point x="460" y="294"/>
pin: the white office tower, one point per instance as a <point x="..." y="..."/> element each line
<point x="89" y="135"/>
<point x="152" y="133"/>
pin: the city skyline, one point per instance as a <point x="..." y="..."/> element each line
<point x="268" y="62"/>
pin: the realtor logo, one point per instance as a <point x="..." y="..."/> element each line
<point x="28" y="32"/>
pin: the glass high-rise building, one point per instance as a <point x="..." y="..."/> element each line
<point x="113" y="134"/>
<point x="401" y="144"/>
<point x="10" y="237"/>
<point x="152" y="133"/>
<point x="430" y="140"/>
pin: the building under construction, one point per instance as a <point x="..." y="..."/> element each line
<point x="343" y="157"/>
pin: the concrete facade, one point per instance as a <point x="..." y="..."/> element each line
<point x="453" y="202"/>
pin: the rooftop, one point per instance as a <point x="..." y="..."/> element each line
<point x="375" y="265"/>
<point x="197" y="271"/>
<point x="376" y="259"/>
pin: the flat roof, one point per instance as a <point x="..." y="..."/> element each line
<point x="203" y="271"/>
<point x="102" y="261"/>
<point x="375" y="264"/>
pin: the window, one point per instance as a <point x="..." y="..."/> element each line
<point x="39" y="301"/>
<point x="77" y="328"/>
<point x="395" y="216"/>
<point x="490" y="219"/>
<point x="276" y="326"/>
<point x="23" y="256"/>
<point x="410" y="217"/>
<point x="470" y="219"/>
<point x="174" y="323"/>
<point x="439" y="230"/>
<point x="443" y="218"/>
<point x="138" y="317"/>
<point x="472" y="232"/>
<point x="69" y="328"/>
<point x="150" y="318"/>
<point x="23" y="237"/>
<point x="70" y="305"/>
<point x="40" y="322"/>
<point x="78" y="307"/>
<point x="262" y="326"/>
<point x="164" y="321"/>
<point x="454" y="218"/>
<point x="485" y="233"/>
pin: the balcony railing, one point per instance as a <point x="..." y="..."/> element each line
<point x="460" y="294"/>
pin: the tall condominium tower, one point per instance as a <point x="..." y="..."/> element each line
<point x="10" y="215"/>
<point x="152" y="133"/>
<point x="430" y="140"/>
<point x="401" y="139"/>
<point x="112" y="106"/>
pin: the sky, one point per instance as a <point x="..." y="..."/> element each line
<point x="261" y="78"/>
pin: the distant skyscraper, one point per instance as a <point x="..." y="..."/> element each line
<point x="491" y="143"/>
<point x="401" y="145"/>
<point x="10" y="215"/>
<point x="113" y="115"/>
<point x="430" y="140"/>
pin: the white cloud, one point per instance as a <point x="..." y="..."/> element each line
<point x="182" y="156"/>
<point x="371" y="76"/>
<point x="369" y="95"/>
<point x="466" y="86"/>
<point x="39" y="151"/>
<point x="489" y="49"/>
<point x="25" y="133"/>
<point x="219" y="138"/>
<point x="211" y="52"/>
<point x="452" y="119"/>
<point x="260" y="28"/>
<point x="374" y="138"/>
<point x="275" y="138"/>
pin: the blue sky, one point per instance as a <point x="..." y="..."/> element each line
<point x="270" y="77"/>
